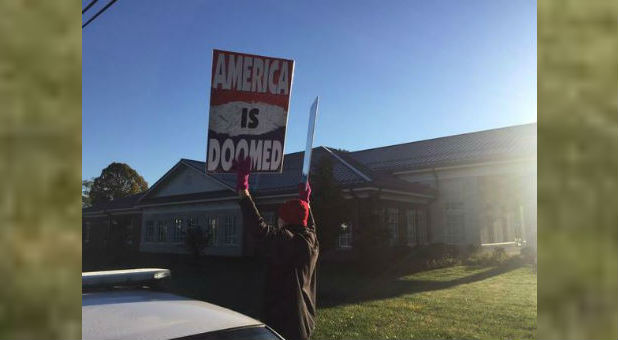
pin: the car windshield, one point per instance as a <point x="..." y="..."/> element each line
<point x="245" y="333"/>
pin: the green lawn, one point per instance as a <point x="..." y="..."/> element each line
<point x="450" y="303"/>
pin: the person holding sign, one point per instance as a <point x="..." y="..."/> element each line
<point x="290" y="303"/>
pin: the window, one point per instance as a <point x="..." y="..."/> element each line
<point x="162" y="231"/>
<point x="192" y="222"/>
<point x="129" y="234"/>
<point x="392" y="221"/>
<point x="487" y="220"/>
<point x="412" y="227"/>
<point x="192" y="226"/>
<point x="180" y="230"/>
<point x="345" y="236"/>
<point x="229" y="230"/>
<point x="454" y="232"/>
<point x="150" y="232"/>
<point x="454" y="228"/>
<point x="210" y="230"/>
<point x="421" y="224"/>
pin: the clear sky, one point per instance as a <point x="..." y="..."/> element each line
<point x="387" y="72"/>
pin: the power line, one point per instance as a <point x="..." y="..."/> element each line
<point x="99" y="13"/>
<point x="89" y="5"/>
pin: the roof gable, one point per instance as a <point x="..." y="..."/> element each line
<point x="185" y="180"/>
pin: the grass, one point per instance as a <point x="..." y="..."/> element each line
<point x="455" y="302"/>
<point x="450" y="303"/>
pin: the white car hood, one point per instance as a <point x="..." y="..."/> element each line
<point x="145" y="314"/>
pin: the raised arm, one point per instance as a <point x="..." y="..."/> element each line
<point x="304" y="192"/>
<point x="251" y="215"/>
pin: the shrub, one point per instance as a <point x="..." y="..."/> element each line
<point x="499" y="255"/>
<point x="425" y="257"/>
<point x="441" y="262"/>
<point x="495" y="257"/>
<point x="528" y="254"/>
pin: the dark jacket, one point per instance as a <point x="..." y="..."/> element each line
<point x="290" y="307"/>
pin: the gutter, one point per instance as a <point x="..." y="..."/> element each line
<point x="380" y="190"/>
<point x="461" y="166"/>
<point x="215" y="199"/>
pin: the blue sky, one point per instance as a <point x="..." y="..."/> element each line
<point x="387" y="72"/>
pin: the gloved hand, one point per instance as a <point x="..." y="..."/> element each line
<point x="243" y="169"/>
<point x="304" y="191"/>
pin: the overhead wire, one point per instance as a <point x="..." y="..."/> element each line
<point x="99" y="13"/>
<point x="88" y="6"/>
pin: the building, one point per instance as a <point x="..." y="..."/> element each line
<point x="473" y="188"/>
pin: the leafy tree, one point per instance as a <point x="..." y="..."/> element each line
<point x="327" y="203"/>
<point x="373" y="233"/>
<point x="372" y="237"/>
<point x="116" y="181"/>
<point x="86" y="187"/>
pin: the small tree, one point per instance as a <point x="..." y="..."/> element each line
<point x="116" y="181"/>
<point x="86" y="187"/>
<point x="196" y="240"/>
<point x="327" y="204"/>
<point x="371" y="240"/>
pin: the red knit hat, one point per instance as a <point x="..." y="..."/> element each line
<point x="294" y="212"/>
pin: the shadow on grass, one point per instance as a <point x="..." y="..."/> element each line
<point x="354" y="290"/>
<point x="238" y="283"/>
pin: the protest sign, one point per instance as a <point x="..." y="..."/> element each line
<point x="249" y="101"/>
<point x="313" y="113"/>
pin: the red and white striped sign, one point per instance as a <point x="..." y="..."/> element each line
<point x="249" y="101"/>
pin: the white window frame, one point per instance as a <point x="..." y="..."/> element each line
<point x="162" y="225"/>
<point x="344" y="240"/>
<point x="209" y="229"/>
<point x="149" y="232"/>
<point x="412" y="227"/>
<point x="230" y="231"/>
<point x="179" y="234"/>
<point x="421" y="215"/>
<point x="392" y="222"/>
<point x="455" y="223"/>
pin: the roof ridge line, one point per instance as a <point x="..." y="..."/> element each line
<point x="448" y="136"/>
<point x="204" y="173"/>
<point x="355" y="170"/>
